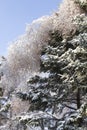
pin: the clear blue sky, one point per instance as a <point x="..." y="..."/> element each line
<point x="14" y="14"/>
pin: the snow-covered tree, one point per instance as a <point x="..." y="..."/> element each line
<point x="43" y="82"/>
<point x="58" y="94"/>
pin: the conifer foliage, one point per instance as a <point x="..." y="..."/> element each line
<point x="53" y="95"/>
<point x="60" y="89"/>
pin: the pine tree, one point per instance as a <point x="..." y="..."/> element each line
<point x="58" y="94"/>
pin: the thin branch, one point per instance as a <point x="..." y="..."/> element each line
<point x="69" y="107"/>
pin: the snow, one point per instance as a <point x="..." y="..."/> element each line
<point x="44" y="74"/>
